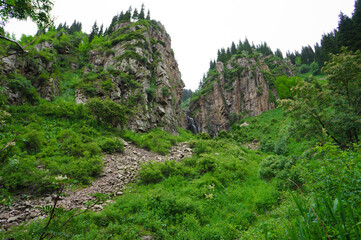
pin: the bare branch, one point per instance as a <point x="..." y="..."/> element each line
<point x="19" y="45"/>
<point x="13" y="41"/>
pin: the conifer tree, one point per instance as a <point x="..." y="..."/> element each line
<point x="127" y="15"/>
<point x="233" y="48"/>
<point x="148" y="15"/>
<point x="307" y="55"/>
<point x="240" y="47"/>
<point x="135" y="15"/>
<point x="100" y="33"/>
<point x="94" y="32"/>
<point x="247" y="47"/>
<point x="142" y="14"/>
<point x="278" y="53"/>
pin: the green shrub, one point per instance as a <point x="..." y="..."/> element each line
<point x="207" y="164"/>
<point x="280" y="169"/>
<point x="304" y="69"/>
<point x="267" y="198"/>
<point x="202" y="146"/>
<point x="203" y="135"/>
<point x="284" y="86"/>
<point x="110" y="145"/>
<point x="150" y="173"/>
<point x="224" y="134"/>
<point x="151" y="96"/>
<point x="165" y="92"/>
<point x="315" y="69"/>
<point x="266" y="145"/>
<point x="155" y="140"/>
<point x="33" y="141"/>
<point x="23" y="86"/>
<point x="108" y="112"/>
<point x="107" y="85"/>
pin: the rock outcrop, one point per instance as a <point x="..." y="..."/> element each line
<point x="27" y="72"/>
<point x="143" y="69"/>
<point x="133" y="65"/>
<point x="233" y="90"/>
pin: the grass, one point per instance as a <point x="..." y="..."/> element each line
<point x="157" y="140"/>
<point x="216" y="194"/>
<point x="224" y="191"/>
<point x="273" y="130"/>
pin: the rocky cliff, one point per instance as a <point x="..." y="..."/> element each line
<point x="133" y="65"/>
<point x="240" y="87"/>
<point x="141" y="71"/>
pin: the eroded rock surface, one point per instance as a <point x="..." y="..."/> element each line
<point x="239" y="88"/>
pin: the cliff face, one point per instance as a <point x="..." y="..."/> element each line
<point x="233" y="90"/>
<point x="29" y="74"/>
<point x="133" y="65"/>
<point x="143" y="73"/>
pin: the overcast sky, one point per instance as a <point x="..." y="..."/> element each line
<point x="199" y="28"/>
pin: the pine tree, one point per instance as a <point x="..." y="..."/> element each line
<point x="247" y="47"/>
<point x="142" y="14"/>
<point x="240" y="47"/>
<point x="278" y="53"/>
<point x="307" y="55"/>
<point x="319" y="56"/>
<point x="75" y="27"/>
<point x="356" y="18"/>
<point x="148" y="15"/>
<point x="135" y="15"/>
<point x="128" y="15"/>
<point x="346" y="32"/>
<point x="94" y="32"/>
<point x="60" y="26"/>
<point x="233" y="48"/>
<point x="329" y="44"/>
<point x="100" y="33"/>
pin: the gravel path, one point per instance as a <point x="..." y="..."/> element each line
<point x="119" y="170"/>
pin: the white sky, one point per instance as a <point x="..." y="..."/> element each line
<point x="199" y="28"/>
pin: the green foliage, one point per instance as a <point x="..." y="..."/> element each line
<point x="151" y="95"/>
<point x="304" y="68"/>
<point x="165" y="92"/>
<point x="155" y="140"/>
<point x="21" y="85"/>
<point x="331" y="109"/>
<point x="203" y="135"/>
<point x="38" y="11"/>
<point x="54" y="138"/>
<point x="150" y="173"/>
<point x="110" y="145"/>
<point x="280" y="169"/>
<point x="108" y="112"/>
<point x="33" y="141"/>
<point x="323" y="217"/>
<point x="315" y="69"/>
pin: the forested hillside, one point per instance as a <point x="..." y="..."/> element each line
<point x="93" y="142"/>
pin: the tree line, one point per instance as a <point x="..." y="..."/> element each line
<point x="348" y="34"/>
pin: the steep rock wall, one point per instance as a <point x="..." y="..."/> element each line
<point x="239" y="88"/>
<point x="143" y="67"/>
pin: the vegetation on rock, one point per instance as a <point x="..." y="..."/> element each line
<point x="292" y="172"/>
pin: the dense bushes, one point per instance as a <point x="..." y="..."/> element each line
<point x="110" y="145"/>
<point x="23" y="86"/>
<point x="53" y="138"/>
<point x="108" y="112"/>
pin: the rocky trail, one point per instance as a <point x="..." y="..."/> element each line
<point x="119" y="170"/>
